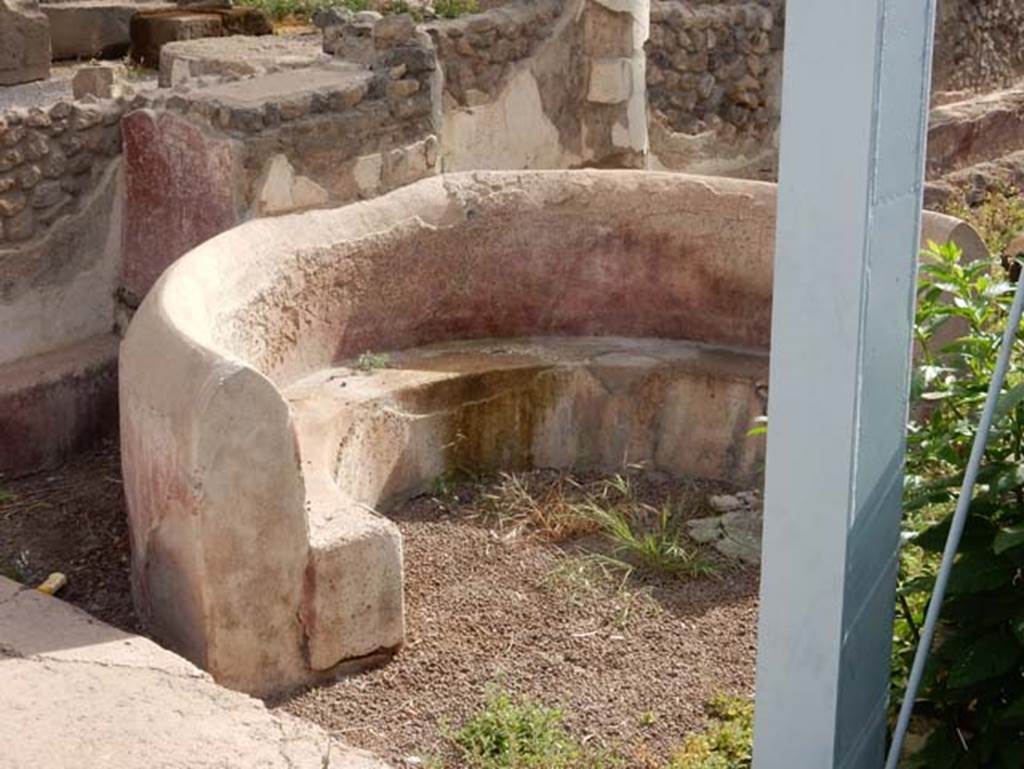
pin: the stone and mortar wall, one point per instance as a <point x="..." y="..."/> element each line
<point x="552" y="84"/>
<point x="978" y="44"/>
<point x="715" y="65"/>
<point x="60" y="251"/>
<point x="204" y="157"/>
<point x="59" y="171"/>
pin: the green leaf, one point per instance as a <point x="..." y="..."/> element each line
<point x="978" y="534"/>
<point x="1009" y="538"/>
<point x="1013" y="713"/>
<point x="989" y="657"/>
<point x="978" y="572"/>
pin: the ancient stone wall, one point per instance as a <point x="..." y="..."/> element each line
<point x="978" y="44"/>
<point x="58" y="169"/>
<point x="715" y="65"/>
<point x="552" y="84"/>
<point x="204" y="156"/>
<point x="60" y="250"/>
<point x="477" y="51"/>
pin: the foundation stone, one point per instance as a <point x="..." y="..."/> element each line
<point x="24" y="42"/>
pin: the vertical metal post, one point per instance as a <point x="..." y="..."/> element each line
<point x="855" y="103"/>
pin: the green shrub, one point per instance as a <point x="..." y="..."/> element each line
<point x="973" y="689"/>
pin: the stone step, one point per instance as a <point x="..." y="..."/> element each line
<point x="974" y="131"/>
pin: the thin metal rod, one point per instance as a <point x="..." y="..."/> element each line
<point x="956" y="530"/>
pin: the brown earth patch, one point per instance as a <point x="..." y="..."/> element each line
<point x="494" y="602"/>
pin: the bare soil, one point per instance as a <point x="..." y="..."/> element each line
<point x="631" y="663"/>
<point x="489" y="602"/>
<point x="72" y="520"/>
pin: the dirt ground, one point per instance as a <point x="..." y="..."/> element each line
<point x="630" y="663"/>
<point x="72" y="520"/>
<point x="490" y="602"/>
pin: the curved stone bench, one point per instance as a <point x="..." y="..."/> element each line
<point x="531" y="318"/>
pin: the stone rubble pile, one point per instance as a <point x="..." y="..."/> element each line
<point x="736" y="532"/>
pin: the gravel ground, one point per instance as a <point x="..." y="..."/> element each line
<point x="631" y="667"/>
<point x="72" y="520"/>
<point x="487" y="604"/>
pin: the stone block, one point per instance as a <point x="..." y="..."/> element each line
<point x="97" y="29"/>
<point x="151" y="31"/>
<point x="93" y="81"/>
<point x="24" y="42"/>
<point x="611" y="81"/>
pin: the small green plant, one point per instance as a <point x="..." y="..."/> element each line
<point x="452" y="9"/>
<point x="516" y="733"/>
<point x="728" y="742"/>
<point x="302" y="10"/>
<point x="644" y="535"/>
<point x="371" y="361"/>
<point x="999" y="218"/>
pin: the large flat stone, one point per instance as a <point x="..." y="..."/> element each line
<point x="237" y="55"/>
<point x="77" y="692"/>
<point x="94" y="28"/>
<point x="24" y="42"/>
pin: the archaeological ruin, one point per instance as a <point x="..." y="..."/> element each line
<point x="551" y="223"/>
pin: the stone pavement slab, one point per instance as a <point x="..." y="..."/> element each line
<point x="78" y="693"/>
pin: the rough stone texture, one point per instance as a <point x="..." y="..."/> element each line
<point x="151" y="30"/>
<point x="100" y="29"/>
<point x="237" y="56"/>
<point x="547" y="85"/>
<point x="736" y="533"/>
<point x="80" y="693"/>
<point x="50" y="160"/>
<point x="201" y="161"/>
<point x="93" y="81"/>
<point x="24" y="42"/>
<point x="978" y="44"/>
<point x="477" y="50"/>
<point x="716" y="66"/>
<point x="974" y="145"/>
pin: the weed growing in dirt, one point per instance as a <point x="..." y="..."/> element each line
<point x="549" y="509"/>
<point x="371" y="361"/>
<point x="582" y="577"/>
<point x="452" y="9"/>
<point x="728" y="742"/>
<point x="998" y="219"/>
<point x="516" y="733"/>
<point x="302" y="9"/>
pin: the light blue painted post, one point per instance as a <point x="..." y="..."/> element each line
<point x="855" y="97"/>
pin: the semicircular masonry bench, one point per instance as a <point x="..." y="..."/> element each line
<point x="544" y="319"/>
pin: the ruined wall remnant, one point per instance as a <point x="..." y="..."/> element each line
<point x="24" y="42"/>
<point x="553" y="84"/>
<point x="208" y="156"/>
<point x="715" y="66"/>
<point x="60" y="246"/>
<point x="978" y="44"/>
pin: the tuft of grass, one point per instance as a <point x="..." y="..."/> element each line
<point x="549" y="508"/>
<point x="371" y="361"/>
<point x="516" y="733"/>
<point x="452" y="9"/>
<point x="728" y="742"/>
<point x="644" y="535"/>
<point x="582" y="577"/>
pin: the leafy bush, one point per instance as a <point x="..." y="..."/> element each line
<point x="973" y="690"/>
<point x="727" y="743"/>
